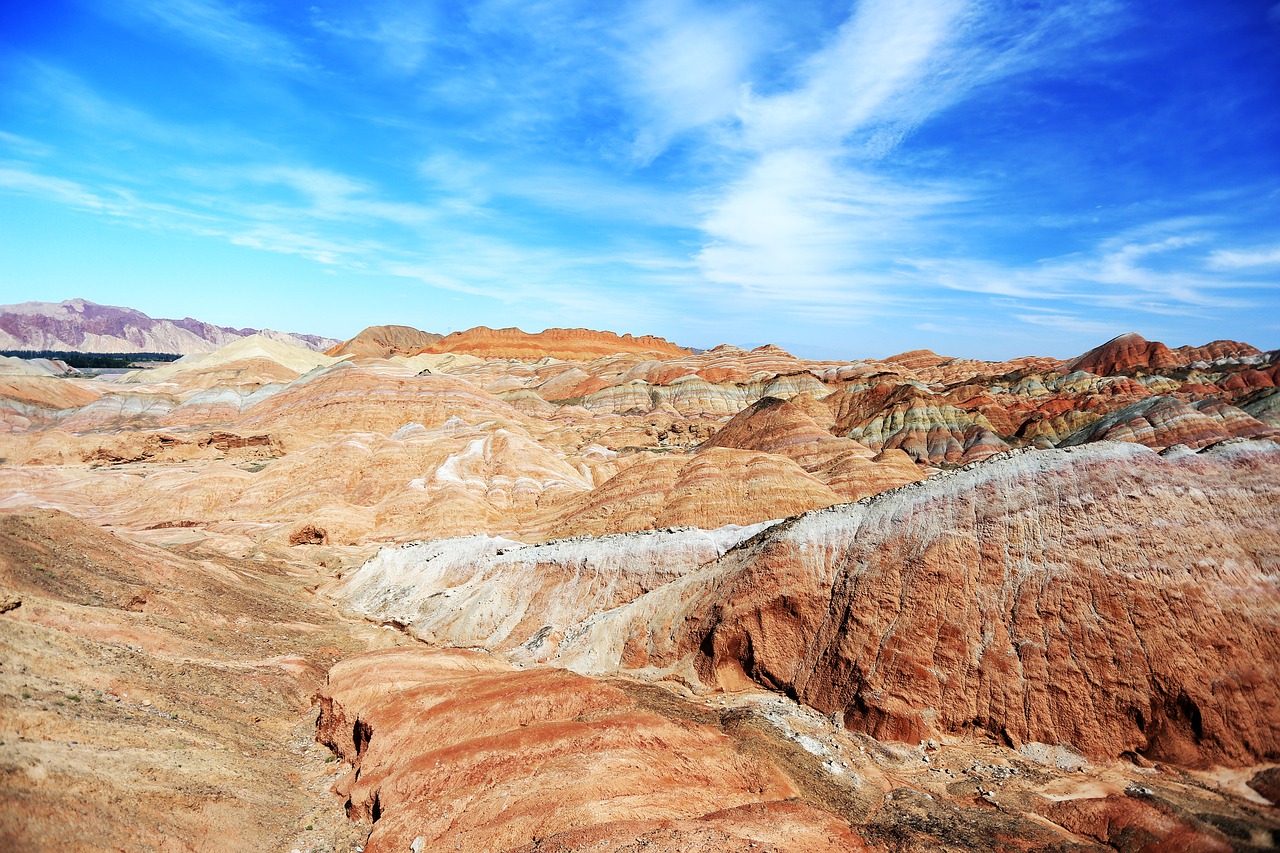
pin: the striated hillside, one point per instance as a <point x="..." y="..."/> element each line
<point x="78" y="325"/>
<point x="385" y="341"/>
<point x="577" y="591"/>
<point x="1080" y="598"/>
<point x="565" y="344"/>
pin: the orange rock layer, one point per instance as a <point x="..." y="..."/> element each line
<point x="571" y="344"/>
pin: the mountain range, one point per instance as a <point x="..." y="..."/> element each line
<point x="78" y="325"/>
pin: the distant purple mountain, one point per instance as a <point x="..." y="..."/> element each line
<point x="78" y="325"/>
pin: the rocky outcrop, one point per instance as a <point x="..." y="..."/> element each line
<point x="716" y="487"/>
<point x="569" y="344"/>
<point x="1161" y="422"/>
<point x="79" y="325"/>
<point x="1108" y="598"/>
<point x="502" y="594"/>
<point x="384" y="342"/>
<point x="454" y="750"/>
<point x="1131" y="351"/>
<point x="915" y="420"/>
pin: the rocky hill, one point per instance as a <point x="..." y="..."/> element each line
<point x="78" y="325"/>
<point x="568" y="344"/>
<point x="386" y="341"/>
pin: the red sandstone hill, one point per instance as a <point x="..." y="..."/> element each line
<point x="385" y="341"/>
<point x="1081" y="597"/>
<point x="568" y="344"/>
<point x="1131" y="350"/>
<point x="1108" y="597"/>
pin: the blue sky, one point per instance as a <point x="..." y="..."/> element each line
<point x="985" y="179"/>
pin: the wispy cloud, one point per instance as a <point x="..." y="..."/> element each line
<point x="22" y="180"/>
<point x="400" y="36"/>
<point x="1163" y="275"/>
<point x="884" y="49"/>
<point x="1237" y="259"/>
<point x="223" y="29"/>
<point x="816" y="215"/>
<point x="796" y="229"/>
<point x="685" y="68"/>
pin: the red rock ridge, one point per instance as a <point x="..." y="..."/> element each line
<point x="570" y="344"/>
<point x="1107" y="598"/>
<point x="462" y="752"/>
<point x="1131" y="350"/>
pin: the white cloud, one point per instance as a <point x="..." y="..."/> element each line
<point x="1136" y="270"/>
<point x="883" y="49"/>
<point x="1235" y="259"/>
<point x="813" y="213"/>
<point x="22" y="180"/>
<point x="686" y="68"/>
<point x="1074" y="324"/>
<point x="799" y="229"/>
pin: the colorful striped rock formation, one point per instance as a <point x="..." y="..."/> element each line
<point x="580" y="591"/>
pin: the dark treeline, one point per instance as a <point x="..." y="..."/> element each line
<point x="93" y="359"/>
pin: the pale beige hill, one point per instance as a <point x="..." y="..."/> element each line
<point x="251" y="350"/>
<point x="375" y="397"/>
<point x="438" y="362"/>
<point x="716" y="487"/>
<point x="13" y="366"/>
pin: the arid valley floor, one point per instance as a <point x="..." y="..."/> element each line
<point x="577" y="591"/>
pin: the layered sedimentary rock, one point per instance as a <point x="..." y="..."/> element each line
<point x="1108" y="598"/>
<point x="346" y="397"/>
<point x="848" y="467"/>
<point x="544" y="755"/>
<point x="29" y="402"/>
<point x="1131" y="350"/>
<point x="79" y="325"/>
<point x="716" y="487"/>
<point x="384" y="342"/>
<point x="1019" y="623"/>
<point x="1162" y="422"/>
<point x="915" y="420"/>
<point x="554" y="343"/>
